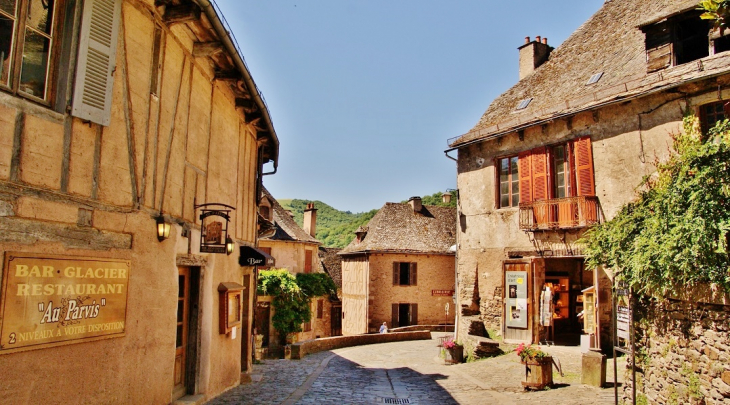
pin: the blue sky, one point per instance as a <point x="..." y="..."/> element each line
<point x="364" y="94"/>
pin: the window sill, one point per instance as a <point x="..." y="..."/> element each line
<point x="29" y="107"/>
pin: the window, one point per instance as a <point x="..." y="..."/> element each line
<point x="404" y="273"/>
<point x="320" y="309"/>
<point x="677" y="40"/>
<point x="28" y="36"/>
<point x="711" y="113"/>
<point x="265" y="212"/>
<point x="559" y="171"/>
<point x="509" y="182"/>
<point x="404" y="315"/>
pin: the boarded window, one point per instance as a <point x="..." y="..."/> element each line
<point x="307" y="261"/>
<point x="677" y="40"/>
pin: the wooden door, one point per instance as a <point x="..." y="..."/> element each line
<point x="336" y="319"/>
<point x="181" y="335"/>
<point x="517" y="302"/>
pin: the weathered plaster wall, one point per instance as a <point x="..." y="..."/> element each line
<point x="290" y="255"/>
<point x="626" y="141"/>
<point x="434" y="272"/>
<point x="73" y="181"/>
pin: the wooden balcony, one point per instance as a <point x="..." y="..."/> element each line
<point x="560" y="213"/>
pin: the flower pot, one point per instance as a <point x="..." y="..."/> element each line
<point x="538" y="373"/>
<point x="454" y="355"/>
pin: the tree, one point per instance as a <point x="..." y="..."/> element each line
<point x="675" y="235"/>
<point x="717" y="11"/>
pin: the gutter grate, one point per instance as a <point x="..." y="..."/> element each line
<point x="396" y="401"/>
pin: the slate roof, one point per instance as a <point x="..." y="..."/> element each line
<point x="612" y="42"/>
<point x="286" y="228"/>
<point x="396" y="228"/>
<point x="331" y="263"/>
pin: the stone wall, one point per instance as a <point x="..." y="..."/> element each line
<point x="683" y="353"/>
<point x="301" y="349"/>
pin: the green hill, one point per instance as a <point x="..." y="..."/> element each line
<point x="336" y="228"/>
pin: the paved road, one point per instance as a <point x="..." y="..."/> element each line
<point x="410" y="371"/>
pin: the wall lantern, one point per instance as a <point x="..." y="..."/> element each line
<point x="214" y="219"/>
<point x="229" y="245"/>
<point x="163" y="228"/>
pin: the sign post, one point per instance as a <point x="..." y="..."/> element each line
<point x="623" y="334"/>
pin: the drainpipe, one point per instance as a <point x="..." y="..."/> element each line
<point x="456" y="254"/>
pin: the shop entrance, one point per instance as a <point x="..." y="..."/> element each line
<point x="186" y="335"/>
<point x="566" y="279"/>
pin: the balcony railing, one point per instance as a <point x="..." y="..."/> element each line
<point x="560" y="213"/>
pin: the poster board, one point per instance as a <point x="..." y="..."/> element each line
<point x="48" y="300"/>
<point x="516" y="299"/>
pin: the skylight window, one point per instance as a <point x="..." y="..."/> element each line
<point x="595" y="78"/>
<point x="524" y="103"/>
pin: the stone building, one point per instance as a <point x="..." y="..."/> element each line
<point x="117" y="117"/>
<point x="296" y="250"/>
<point x="565" y="148"/>
<point x="399" y="269"/>
<point x="332" y="265"/>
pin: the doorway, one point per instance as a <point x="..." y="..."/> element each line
<point x="566" y="279"/>
<point x="404" y="315"/>
<point x="336" y="320"/>
<point x="186" y="334"/>
<point x="245" y="340"/>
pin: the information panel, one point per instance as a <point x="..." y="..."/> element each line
<point x="516" y="287"/>
<point x="49" y="299"/>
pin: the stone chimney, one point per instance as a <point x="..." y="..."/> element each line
<point x="310" y="220"/>
<point x="533" y="54"/>
<point x="415" y="203"/>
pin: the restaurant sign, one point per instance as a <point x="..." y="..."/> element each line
<point x="48" y="300"/>
<point x="442" y="293"/>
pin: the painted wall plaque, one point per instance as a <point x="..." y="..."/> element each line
<point x="516" y="315"/>
<point x="49" y="300"/>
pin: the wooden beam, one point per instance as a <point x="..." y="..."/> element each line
<point x="251" y="116"/>
<point x="228" y="75"/>
<point x="245" y="103"/>
<point x="182" y="13"/>
<point x="28" y="231"/>
<point x="262" y="135"/>
<point x="205" y="49"/>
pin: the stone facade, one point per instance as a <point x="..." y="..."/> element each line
<point x="77" y="188"/>
<point x="683" y="353"/>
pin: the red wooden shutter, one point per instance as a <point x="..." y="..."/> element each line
<point x="307" y="261"/>
<point x="394" y="316"/>
<point x="540" y="174"/>
<point x="585" y="185"/>
<point x="414" y="275"/>
<point x="524" y="162"/>
<point x="396" y="273"/>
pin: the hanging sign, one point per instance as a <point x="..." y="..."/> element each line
<point x="214" y="219"/>
<point x="49" y="300"/>
<point x="516" y="282"/>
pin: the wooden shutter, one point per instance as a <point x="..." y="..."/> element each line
<point x="394" y="316"/>
<point x="585" y="185"/>
<point x="307" y="261"/>
<point x="540" y="173"/>
<point x="396" y="273"/>
<point x="414" y="314"/>
<point x="320" y="309"/>
<point x="96" y="61"/>
<point x="414" y="275"/>
<point x="524" y="162"/>
<point x="658" y="44"/>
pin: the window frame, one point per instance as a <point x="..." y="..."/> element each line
<point x="703" y="114"/>
<point x="411" y="271"/>
<point x="56" y="40"/>
<point x="511" y="182"/>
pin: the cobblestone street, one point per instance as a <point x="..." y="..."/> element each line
<point x="413" y="371"/>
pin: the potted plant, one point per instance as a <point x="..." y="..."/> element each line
<point x="538" y="366"/>
<point x="454" y="351"/>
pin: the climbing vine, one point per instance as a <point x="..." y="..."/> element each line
<point x="292" y="297"/>
<point x="676" y="232"/>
